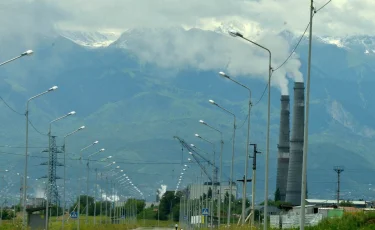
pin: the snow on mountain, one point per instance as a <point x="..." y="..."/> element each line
<point x="359" y="43"/>
<point x="91" y="39"/>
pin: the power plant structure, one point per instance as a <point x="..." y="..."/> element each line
<point x="283" y="147"/>
<point x="290" y="149"/>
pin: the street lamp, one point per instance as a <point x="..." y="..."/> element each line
<point x="87" y="182"/>
<point x="48" y="197"/>
<point x="69" y="134"/>
<point x="110" y="164"/>
<point x="221" y="165"/>
<point x="232" y="165"/>
<point x="237" y="34"/>
<point x="24" y="222"/>
<point x="246" y="156"/>
<point x="26" y="53"/>
<point x="214" y="172"/>
<point x="1" y="207"/>
<point x="79" y="184"/>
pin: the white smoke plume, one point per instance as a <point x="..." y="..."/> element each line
<point x="176" y="48"/>
<point x="39" y="192"/>
<point x="110" y="197"/>
<point x="162" y="190"/>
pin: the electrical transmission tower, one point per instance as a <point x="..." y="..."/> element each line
<point x="338" y="170"/>
<point x="51" y="191"/>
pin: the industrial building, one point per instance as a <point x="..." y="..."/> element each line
<point x="283" y="147"/>
<point x="325" y="203"/>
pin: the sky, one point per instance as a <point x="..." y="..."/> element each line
<point x="339" y="17"/>
<point x="260" y="20"/>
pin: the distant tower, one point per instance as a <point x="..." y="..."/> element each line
<point x="283" y="147"/>
<point x="338" y="170"/>
<point x="294" y="184"/>
<point x="51" y="191"/>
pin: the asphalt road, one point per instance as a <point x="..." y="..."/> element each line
<point x="156" y="228"/>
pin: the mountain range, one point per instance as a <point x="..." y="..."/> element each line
<point x="135" y="107"/>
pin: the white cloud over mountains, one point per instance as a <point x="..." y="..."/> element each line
<point x="260" y="20"/>
<point x="339" y="17"/>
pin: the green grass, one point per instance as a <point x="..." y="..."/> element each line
<point x="72" y="224"/>
<point x="350" y="221"/>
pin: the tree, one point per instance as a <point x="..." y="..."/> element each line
<point x="83" y="205"/>
<point x="226" y="198"/>
<point x="277" y="204"/>
<point x="346" y="203"/>
<point x="139" y="204"/>
<point x="176" y="212"/>
<point x="167" y="202"/>
<point x="277" y="195"/>
<point x="209" y="193"/>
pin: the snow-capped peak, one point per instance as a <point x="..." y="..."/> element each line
<point x="333" y="41"/>
<point x="91" y="39"/>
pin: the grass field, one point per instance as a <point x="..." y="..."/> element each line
<point x="350" y="221"/>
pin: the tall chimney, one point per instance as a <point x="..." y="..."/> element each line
<point x="293" y="188"/>
<point x="283" y="147"/>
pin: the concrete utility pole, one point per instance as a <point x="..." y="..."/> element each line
<point x="306" y="128"/>
<point x="244" y="180"/>
<point x="338" y="170"/>
<point x="253" y="183"/>
<point x="307" y="107"/>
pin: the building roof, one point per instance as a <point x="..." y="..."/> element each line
<point x="306" y="206"/>
<point x="318" y="201"/>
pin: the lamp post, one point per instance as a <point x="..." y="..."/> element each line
<point x="246" y="156"/>
<point x="101" y="194"/>
<point x="49" y="162"/>
<point x="79" y="184"/>
<point x="64" y="148"/>
<point x="1" y="211"/>
<point x="87" y="182"/>
<point x="24" y="54"/>
<point x="232" y="165"/>
<point x="106" y="192"/>
<point x="24" y="221"/>
<point x="237" y="34"/>
<point x="221" y="165"/>
<point x="213" y="175"/>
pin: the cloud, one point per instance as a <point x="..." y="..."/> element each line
<point x="259" y="20"/>
<point x="176" y="48"/>
<point x="23" y="22"/>
<point x="339" y="18"/>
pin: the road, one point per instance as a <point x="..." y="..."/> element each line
<point x="156" y="228"/>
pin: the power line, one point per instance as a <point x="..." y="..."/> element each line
<point x="264" y="91"/>
<point x="247" y="116"/>
<point x="43" y="134"/>
<point x="316" y="11"/>
<point x="286" y="60"/>
<point x="21" y="147"/>
<point x="22" y="114"/>
<point x="120" y="162"/>
<point x="294" y="49"/>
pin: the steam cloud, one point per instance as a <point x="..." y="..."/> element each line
<point x="162" y="190"/>
<point x="169" y="48"/>
<point x="179" y="49"/>
<point x="39" y="192"/>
